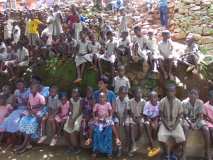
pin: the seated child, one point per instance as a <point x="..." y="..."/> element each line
<point x="53" y="104"/>
<point x="29" y="124"/>
<point x="192" y="53"/>
<point x="110" y="52"/>
<point x="193" y="118"/>
<point x="208" y="106"/>
<point x="73" y="123"/>
<point x="102" y="128"/>
<point x="71" y="46"/>
<point x="166" y="51"/>
<point x="151" y="122"/>
<point x="171" y="111"/>
<point x="153" y="53"/>
<point x="87" y="110"/>
<point x="121" y="105"/>
<point x="5" y="110"/>
<point x="134" y="120"/>
<point x="120" y="80"/>
<point x="123" y="47"/>
<point x="82" y="56"/>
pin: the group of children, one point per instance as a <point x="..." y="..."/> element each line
<point x="110" y="121"/>
<point x="93" y="41"/>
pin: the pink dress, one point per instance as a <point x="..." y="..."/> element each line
<point x="38" y="99"/>
<point x="63" y="115"/>
<point x="209" y="113"/>
<point x="102" y="110"/>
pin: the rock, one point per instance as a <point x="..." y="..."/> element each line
<point x="195" y="8"/>
<point x="187" y="2"/>
<point x="196" y="36"/>
<point x="207" y="31"/>
<point x="196" y="29"/>
<point x="206" y="39"/>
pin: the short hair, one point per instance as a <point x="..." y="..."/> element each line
<point x="121" y="67"/>
<point x="193" y="90"/>
<point x="123" y="89"/>
<point x="153" y="93"/>
<point x="109" y="33"/>
<point x="166" y="32"/>
<point x="171" y="86"/>
<point x="138" y="28"/>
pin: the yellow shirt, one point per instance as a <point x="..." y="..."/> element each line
<point x="33" y="26"/>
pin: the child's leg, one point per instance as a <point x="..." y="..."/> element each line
<point x="170" y="65"/>
<point x="206" y="135"/>
<point x="82" y="70"/>
<point x="133" y="135"/>
<point x="23" y="146"/>
<point x="128" y="137"/>
<point x="78" y="72"/>
<point x="149" y="133"/>
<point x="43" y="126"/>
<point x="99" y="67"/>
<point x="163" y="69"/>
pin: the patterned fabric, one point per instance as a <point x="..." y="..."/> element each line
<point x="150" y="110"/>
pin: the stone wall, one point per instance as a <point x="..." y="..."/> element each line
<point x="195" y="16"/>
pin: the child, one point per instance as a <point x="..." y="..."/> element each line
<point x="87" y="109"/>
<point x="120" y="80"/>
<point x="170" y="113"/>
<point x="73" y="123"/>
<point x="60" y="118"/>
<point x="102" y="128"/>
<point x="123" y="47"/>
<point x="123" y="21"/>
<point x="209" y="119"/>
<point x="57" y="25"/>
<point x="152" y="46"/>
<point x="193" y="118"/>
<point x="134" y="119"/>
<point x="5" y="109"/>
<point x="120" y="111"/>
<point x="81" y="56"/>
<point x="151" y="117"/>
<point x="111" y="46"/>
<point x="29" y="124"/>
<point x="53" y="104"/>
<point x="166" y="51"/>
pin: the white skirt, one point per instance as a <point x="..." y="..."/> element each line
<point x="107" y="58"/>
<point x="83" y="59"/>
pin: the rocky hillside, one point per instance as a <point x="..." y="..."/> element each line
<point x="195" y="16"/>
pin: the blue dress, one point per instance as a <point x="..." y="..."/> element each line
<point x="102" y="138"/>
<point x="11" y="123"/>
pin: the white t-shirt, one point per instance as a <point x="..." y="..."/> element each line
<point x="16" y="34"/>
<point x="119" y="82"/>
<point x="8" y="29"/>
<point x="22" y="54"/>
<point x="166" y="48"/>
<point x="94" y="48"/>
<point x="121" y="106"/>
<point x="110" y="47"/>
<point x="152" y="45"/>
<point x="83" y="48"/>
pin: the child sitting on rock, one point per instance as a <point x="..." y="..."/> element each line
<point x="151" y="114"/>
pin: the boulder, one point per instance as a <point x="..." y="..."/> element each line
<point x="206" y="39"/>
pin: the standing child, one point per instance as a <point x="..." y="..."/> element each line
<point x="123" y="21"/>
<point x="53" y="104"/>
<point x="102" y="129"/>
<point x="29" y="124"/>
<point x="120" y="80"/>
<point x="151" y="114"/>
<point x="170" y="113"/>
<point x="134" y="119"/>
<point x="73" y="123"/>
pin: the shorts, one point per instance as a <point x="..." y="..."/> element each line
<point x="177" y="134"/>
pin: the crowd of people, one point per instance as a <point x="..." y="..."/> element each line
<point x="97" y="118"/>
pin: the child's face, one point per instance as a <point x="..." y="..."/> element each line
<point x="121" y="72"/>
<point x="20" y="85"/>
<point x="75" y="94"/>
<point x="137" y="32"/>
<point x="154" y="99"/>
<point x="109" y="36"/>
<point x="138" y="94"/>
<point x="102" y="98"/>
<point x="89" y="92"/>
<point x="92" y="38"/>
<point x="82" y="36"/>
<point x="122" y="94"/>
<point x="171" y="93"/>
<point x="150" y="35"/>
<point x="124" y="35"/>
<point x="166" y="37"/>
<point x="102" y="85"/>
<point x="193" y="96"/>
<point x="53" y="92"/>
<point x="6" y="90"/>
<point x="34" y="89"/>
<point x="64" y="99"/>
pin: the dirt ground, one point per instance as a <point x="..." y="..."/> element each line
<point x="59" y="153"/>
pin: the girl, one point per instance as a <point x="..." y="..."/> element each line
<point x="87" y="107"/>
<point x="4" y="112"/>
<point x="151" y="117"/>
<point x="72" y="125"/>
<point x="82" y="56"/>
<point x="53" y="104"/>
<point x="60" y="118"/>
<point x="11" y="123"/>
<point x="29" y="124"/>
<point x="102" y="128"/>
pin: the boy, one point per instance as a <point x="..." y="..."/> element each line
<point x="170" y="113"/>
<point x="193" y="117"/>
<point x="166" y="51"/>
<point x="134" y="118"/>
<point x="120" y="80"/>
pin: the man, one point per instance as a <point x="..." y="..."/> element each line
<point x="193" y="118"/>
<point x="170" y="113"/>
<point x="163" y="7"/>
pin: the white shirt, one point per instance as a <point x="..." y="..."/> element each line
<point x="94" y="48"/>
<point x="121" y="106"/>
<point x="119" y="82"/>
<point x="8" y="29"/>
<point x="152" y="45"/>
<point x="83" y="48"/>
<point x="110" y="47"/>
<point x="22" y="54"/>
<point x="136" y="107"/>
<point x="16" y="34"/>
<point x="140" y="40"/>
<point x="166" y="48"/>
